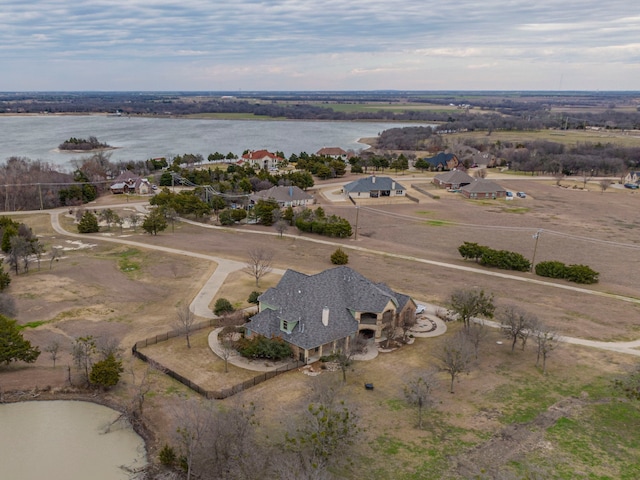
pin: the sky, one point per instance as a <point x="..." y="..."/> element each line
<point x="280" y="45"/>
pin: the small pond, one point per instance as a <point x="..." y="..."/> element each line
<point x="66" y="440"/>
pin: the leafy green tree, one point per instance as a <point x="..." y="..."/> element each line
<point x="5" y="279"/>
<point x="222" y="306"/>
<point x="467" y="304"/>
<point x="469" y="250"/>
<point x="13" y="346"/>
<point x="108" y="216"/>
<point x="225" y="217"/>
<point x="88" y="223"/>
<point x="106" y="373"/>
<point x="288" y="214"/>
<point x="339" y="257"/>
<point x="154" y="222"/>
<point x="264" y="211"/>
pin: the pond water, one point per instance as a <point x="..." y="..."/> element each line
<point x="66" y="440"/>
<point x="140" y="138"/>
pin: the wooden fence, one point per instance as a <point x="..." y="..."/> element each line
<point x="209" y="394"/>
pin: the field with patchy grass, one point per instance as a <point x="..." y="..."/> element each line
<point x="505" y="417"/>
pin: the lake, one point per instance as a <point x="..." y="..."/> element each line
<point x="140" y="138"/>
<point x="65" y="440"/>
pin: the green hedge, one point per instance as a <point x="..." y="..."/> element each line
<point x="573" y="273"/>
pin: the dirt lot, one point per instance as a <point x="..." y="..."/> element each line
<point x="129" y="294"/>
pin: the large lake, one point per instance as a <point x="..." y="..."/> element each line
<point x="65" y="440"/>
<point x="139" y="138"/>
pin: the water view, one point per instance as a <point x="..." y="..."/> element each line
<point x="66" y="440"/>
<point x="37" y="137"/>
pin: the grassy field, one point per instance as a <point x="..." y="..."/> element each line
<point x="505" y="420"/>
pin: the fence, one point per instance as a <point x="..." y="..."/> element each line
<point x="209" y="394"/>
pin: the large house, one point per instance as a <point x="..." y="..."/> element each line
<point x="261" y="159"/>
<point x="482" y="188"/>
<point x="317" y="314"/>
<point x="333" y="152"/>
<point x="374" y="187"/>
<point x="632" y="177"/>
<point x="291" y="196"/>
<point x="443" y="161"/>
<point x="127" y="182"/>
<point x="453" y="179"/>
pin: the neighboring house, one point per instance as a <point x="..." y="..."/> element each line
<point x="374" y="187"/>
<point x="632" y="177"/>
<point x="453" y="179"/>
<point x="333" y="152"/>
<point x="481" y="188"/>
<point x="261" y="159"/>
<point x="285" y="196"/>
<point x="126" y="182"/>
<point x="317" y="314"/>
<point x="443" y="161"/>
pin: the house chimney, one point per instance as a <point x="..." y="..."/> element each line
<point x="325" y="316"/>
<point x="393" y="185"/>
<point x="291" y="191"/>
<point x="373" y="179"/>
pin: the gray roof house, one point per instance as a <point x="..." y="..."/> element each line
<point x="290" y="196"/>
<point x="374" y="187"/>
<point x="316" y="314"/>
<point x="452" y="179"/>
<point x="482" y="188"/>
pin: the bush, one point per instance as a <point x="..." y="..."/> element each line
<point x="259" y="346"/>
<point x="222" y="306"/>
<point x="573" y="273"/>
<point x="167" y="456"/>
<point x="339" y="257"/>
<point x="551" y="269"/>
<point x="581" y="274"/>
<point x="253" y="297"/>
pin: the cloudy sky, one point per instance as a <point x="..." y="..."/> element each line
<point x="235" y="45"/>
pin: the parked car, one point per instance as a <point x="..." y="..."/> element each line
<point x="632" y="186"/>
<point x="420" y="309"/>
<point x="521" y="195"/>
<point x="508" y="195"/>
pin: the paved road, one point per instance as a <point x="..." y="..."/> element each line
<point x="200" y="304"/>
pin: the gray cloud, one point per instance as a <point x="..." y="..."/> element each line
<point x="302" y="44"/>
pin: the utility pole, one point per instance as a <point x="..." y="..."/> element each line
<point x="357" y="212"/>
<point x="536" y="236"/>
<point x="40" y="191"/>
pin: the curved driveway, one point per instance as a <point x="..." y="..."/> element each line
<point x="200" y="304"/>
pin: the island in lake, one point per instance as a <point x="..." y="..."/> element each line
<point x="75" y="144"/>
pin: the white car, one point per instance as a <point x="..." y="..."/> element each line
<point x="420" y="309"/>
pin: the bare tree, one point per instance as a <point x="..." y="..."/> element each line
<point x="516" y="324"/>
<point x="281" y="226"/>
<point x="134" y="220"/>
<point x="193" y="421"/>
<point x="604" y="184"/>
<point x="7" y="305"/>
<point x="56" y="253"/>
<point x="52" y="349"/>
<point x="345" y="353"/>
<point x="38" y="250"/>
<point x="172" y="217"/>
<point x="259" y="265"/>
<point x="547" y="340"/>
<point x="186" y="319"/>
<point x="480" y="173"/>
<point x="455" y="357"/>
<point x="83" y="351"/>
<point x="418" y="391"/>
<point x="476" y="333"/>
<point x="227" y="348"/>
